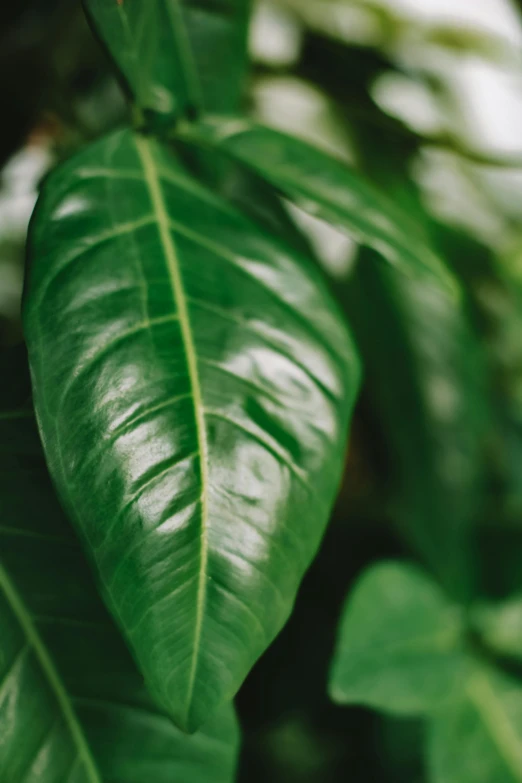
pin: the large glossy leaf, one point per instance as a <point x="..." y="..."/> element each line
<point x="193" y="385"/>
<point x="400" y="643"/>
<point x="426" y="384"/>
<point x="177" y="55"/>
<point x="73" y="707"/>
<point x="328" y="189"/>
<point x="478" y="739"/>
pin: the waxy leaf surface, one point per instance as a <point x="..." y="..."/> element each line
<point x="193" y="384"/>
<point x="329" y="189"/>
<point x="73" y="706"/>
<point x="176" y="56"/>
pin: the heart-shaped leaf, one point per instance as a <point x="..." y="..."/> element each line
<point x="193" y="383"/>
<point x="399" y="645"/>
<point x="72" y="704"/>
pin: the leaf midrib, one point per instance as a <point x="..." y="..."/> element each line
<point x="154" y="186"/>
<point x="35" y="642"/>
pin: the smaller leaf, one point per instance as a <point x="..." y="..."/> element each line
<point x="398" y="648"/>
<point x="327" y="188"/>
<point x="479" y="738"/>
<point x="147" y="40"/>
<point x="176" y="56"/>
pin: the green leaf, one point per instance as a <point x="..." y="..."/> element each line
<point x="218" y="35"/>
<point x="193" y="383"/>
<point x="425" y="381"/>
<point x="176" y="56"/>
<point x="479" y="738"/>
<point x="72" y="704"/>
<point x="500" y="626"/>
<point x="329" y="189"/>
<point x="398" y="648"/>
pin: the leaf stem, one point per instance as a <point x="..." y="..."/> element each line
<point x="497" y="721"/>
<point x="164" y="225"/>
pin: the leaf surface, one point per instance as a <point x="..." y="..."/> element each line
<point x="193" y="383"/>
<point x="398" y="643"/>
<point x="329" y="189"/>
<point x="176" y="55"/>
<point x="478" y="739"/>
<point x="73" y="706"/>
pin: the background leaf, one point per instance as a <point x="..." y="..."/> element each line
<point x="72" y="704"/>
<point x="193" y="382"/>
<point x="398" y="646"/>
<point x="421" y="358"/>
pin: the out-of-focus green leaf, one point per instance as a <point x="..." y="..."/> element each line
<point x="425" y="379"/>
<point x="478" y="739"/>
<point x="73" y="707"/>
<point x="193" y="383"/>
<point x="500" y="626"/>
<point x="499" y="300"/>
<point x="328" y="189"/>
<point x="399" y="643"/>
<point x="493" y="286"/>
<point x="176" y="56"/>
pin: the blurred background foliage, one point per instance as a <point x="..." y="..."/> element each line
<point x="425" y="98"/>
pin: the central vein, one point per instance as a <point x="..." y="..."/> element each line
<point x="169" y="249"/>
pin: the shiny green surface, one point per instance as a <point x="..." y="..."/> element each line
<point x="399" y="647"/>
<point x="193" y="384"/>
<point x="72" y="704"/>
<point x="478" y="739"/>
<point x="176" y="55"/>
<point x="328" y="189"/>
